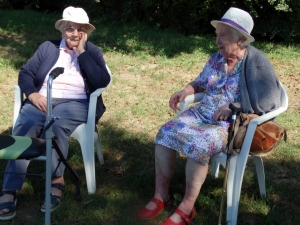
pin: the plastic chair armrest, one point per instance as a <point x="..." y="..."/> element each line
<point x="18" y="99"/>
<point x="92" y="104"/>
<point x="184" y="105"/>
<point x="270" y="115"/>
<point x="93" y="99"/>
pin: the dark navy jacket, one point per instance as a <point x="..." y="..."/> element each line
<point x="91" y="62"/>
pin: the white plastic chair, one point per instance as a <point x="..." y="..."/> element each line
<point x="86" y="134"/>
<point x="238" y="162"/>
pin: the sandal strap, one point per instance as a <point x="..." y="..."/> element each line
<point x="11" y="206"/>
<point x="59" y="186"/>
<point x="186" y="218"/>
<point x="55" y="200"/>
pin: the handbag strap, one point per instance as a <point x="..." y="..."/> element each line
<point x="231" y="150"/>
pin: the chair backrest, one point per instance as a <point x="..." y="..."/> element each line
<point x="18" y="100"/>
<point x="284" y="99"/>
<point x="109" y="72"/>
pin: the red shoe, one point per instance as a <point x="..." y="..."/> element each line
<point x="186" y="219"/>
<point x="147" y="214"/>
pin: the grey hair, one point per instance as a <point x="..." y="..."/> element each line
<point x="238" y="36"/>
<point x="64" y="23"/>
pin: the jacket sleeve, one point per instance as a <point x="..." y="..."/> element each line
<point x="27" y="74"/>
<point x="33" y="73"/>
<point x="93" y="67"/>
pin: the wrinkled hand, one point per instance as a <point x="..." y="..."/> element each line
<point x="80" y="48"/>
<point x="176" y="98"/>
<point x="39" y="101"/>
<point x="223" y="113"/>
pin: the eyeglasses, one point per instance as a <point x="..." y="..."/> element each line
<point x="72" y="29"/>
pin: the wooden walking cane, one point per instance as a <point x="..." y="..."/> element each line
<point x="235" y="111"/>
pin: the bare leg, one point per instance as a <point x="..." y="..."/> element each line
<point x="165" y="162"/>
<point x="195" y="177"/>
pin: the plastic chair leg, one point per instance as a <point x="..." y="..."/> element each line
<point x="216" y="160"/>
<point x="98" y="147"/>
<point x="89" y="164"/>
<point x="215" y="169"/>
<point x="230" y="181"/>
<point x="87" y="148"/>
<point x="237" y="186"/>
<point x="260" y="175"/>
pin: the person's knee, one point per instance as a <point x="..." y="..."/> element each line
<point x="27" y="128"/>
<point x="159" y="147"/>
<point x="60" y="129"/>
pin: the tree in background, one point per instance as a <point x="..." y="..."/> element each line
<point x="277" y="20"/>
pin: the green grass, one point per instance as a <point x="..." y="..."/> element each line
<point x="148" y="65"/>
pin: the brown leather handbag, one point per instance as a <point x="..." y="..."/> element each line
<point x="266" y="137"/>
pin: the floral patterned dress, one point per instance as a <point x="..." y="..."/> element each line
<point x="194" y="133"/>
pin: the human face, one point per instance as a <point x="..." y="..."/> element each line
<point x="73" y="32"/>
<point x="228" y="46"/>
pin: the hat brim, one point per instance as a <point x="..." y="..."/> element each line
<point x="214" y="23"/>
<point x="58" y="23"/>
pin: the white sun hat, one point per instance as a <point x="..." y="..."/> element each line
<point x="76" y="15"/>
<point x="239" y="20"/>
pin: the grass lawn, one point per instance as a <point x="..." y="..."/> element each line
<point x="148" y="65"/>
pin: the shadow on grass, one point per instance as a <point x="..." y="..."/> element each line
<point x="280" y="207"/>
<point x="126" y="182"/>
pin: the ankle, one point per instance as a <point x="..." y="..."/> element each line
<point x="186" y="210"/>
<point x="58" y="180"/>
<point x="7" y="197"/>
<point x="162" y="197"/>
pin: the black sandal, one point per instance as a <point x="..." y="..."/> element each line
<point x="11" y="206"/>
<point x="55" y="199"/>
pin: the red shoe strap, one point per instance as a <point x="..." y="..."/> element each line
<point x="185" y="217"/>
<point x="159" y="203"/>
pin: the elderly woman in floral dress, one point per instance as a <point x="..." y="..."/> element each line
<point x="238" y="74"/>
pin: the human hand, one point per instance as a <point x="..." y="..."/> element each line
<point x="39" y="101"/>
<point x="176" y="98"/>
<point x="82" y="40"/>
<point x="223" y="113"/>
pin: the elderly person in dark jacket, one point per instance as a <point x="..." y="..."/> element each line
<point x="84" y="71"/>
<point x="238" y="74"/>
